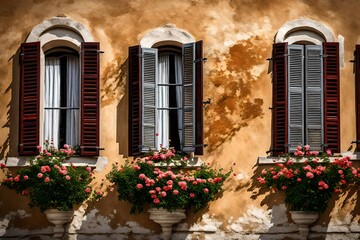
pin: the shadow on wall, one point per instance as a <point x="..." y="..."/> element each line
<point x="280" y="217"/>
<point x="123" y="112"/>
<point x="11" y="142"/>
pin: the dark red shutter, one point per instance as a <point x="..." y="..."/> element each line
<point x="199" y="119"/>
<point x="29" y="98"/>
<point x="357" y="92"/>
<point x="134" y="83"/>
<point x="331" y="96"/>
<point x="279" y="109"/>
<point x="90" y="105"/>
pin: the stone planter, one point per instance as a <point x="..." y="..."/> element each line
<point x="304" y="220"/>
<point x="166" y="219"/>
<point x="59" y="218"/>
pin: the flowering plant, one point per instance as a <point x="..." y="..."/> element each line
<point x="308" y="182"/>
<point x="142" y="183"/>
<point x="48" y="182"/>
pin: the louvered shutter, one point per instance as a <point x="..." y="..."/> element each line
<point x="314" y="96"/>
<point x="90" y="90"/>
<point x="134" y="75"/>
<point x="29" y="98"/>
<point x="296" y="96"/>
<point x="149" y="74"/>
<point x="331" y="96"/>
<point x="357" y="92"/>
<point x="279" y="121"/>
<point x="199" y="119"/>
<point x="188" y="51"/>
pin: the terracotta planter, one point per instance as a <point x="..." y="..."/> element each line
<point x="59" y="218"/>
<point x="304" y="220"/>
<point x="166" y="219"/>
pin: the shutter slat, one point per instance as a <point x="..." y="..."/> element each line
<point x="331" y="96"/>
<point x="296" y="96"/>
<point x="314" y="95"/>
<point x="134" y="72"/>
<point x="90" y="92"/>
<point x="280" y="107"/>
<point x="29" y="98"/>
<point x="149" y="76"/>
<point x="188" y="97"/>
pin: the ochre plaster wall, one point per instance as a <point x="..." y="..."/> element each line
<point x="238" y="37"/>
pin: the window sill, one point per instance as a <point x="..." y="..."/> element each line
<point x="272" y="160"/>
<point x="98" y="163"/>
<point x="194" y="162"/>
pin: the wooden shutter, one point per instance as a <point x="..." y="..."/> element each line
<point x="188" y="137"/>
<point x="314" y="95"/>
<point x="90" y="106"/>
<point x="199" y="119"/>
<point x="29" y="98"/>
<point x="331" y="96"/>
<point x="357" y="93"/>
<point x="280" y="118"/>
<point x="149" y="62"/>
<point x="296" y="96"/>
<point x="135" y="103"/>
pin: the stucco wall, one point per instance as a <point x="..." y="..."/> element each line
<point x="238" y="38"/>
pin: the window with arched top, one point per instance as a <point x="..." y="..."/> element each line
<point x="59" y="87"/>
<point x="306" y="107"/>
<point x="165" y="92"/>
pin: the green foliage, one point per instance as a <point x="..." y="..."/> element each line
<point x="143" y="184"/>
<point x="50" y="184"/>
<point x="308" y="184"/>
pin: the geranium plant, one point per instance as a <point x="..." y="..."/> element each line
<point x="308" y="178"/>
<point x="156" y="180"/>
<point x="48" y="182"/>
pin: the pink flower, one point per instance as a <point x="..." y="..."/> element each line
<point x="26" y="177"/>
<point x="170" y="182"/>
<point x="87" y="190"/>
<point x="328" y="152"/>
<point x="156" y="201"/>
<point x="340" y="171"/>
<point x="17" y="178"/>
<point x="261" y="180"/>
<point x="24" y="192"/>
<point x="309" y="175"/>
<point x="263" y="172"/>
<point x="40" y="175"/>
<point x="136" y="167"/>
<point x="163" y="194"/>
<point x="206" y="190"/>
<point x="152" y="192"/>
<point x="139" y="186"/>
<point x="47" y="179"/>
<point x="67" y="177"/>
<point x="66" y="146"/>
<point x="2" y="165"/>
<point x="283" y="187"/>
<point x="192" y="195"/>
<point x="298" y="148"/>
<point x="43" y="169"/>
<point x="298" y="179"/>
<point x="158" y="189"/>
<point x="306" y="147"/>
<point x="88" y="169"/>
<point x="142" y="176"/>
<point x="175" y="192"/>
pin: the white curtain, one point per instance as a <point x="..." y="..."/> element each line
<point x="52" y="100"/>
<point x="179" y="80"/>
<point x="163" y="102"/>
<point x="73" y="101"/>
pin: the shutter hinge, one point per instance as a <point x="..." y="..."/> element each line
<point x="200" y="145"/>
<point x="352" y="61"/>
<point x="269" y="59"/>
<point x="100" y="51"/>
<point x="97" y="147"/>
<point x="200" y="59"/>
<point x="356" y="141"/>
<point x="272" y="108"/>
<point x="207" y="102"/>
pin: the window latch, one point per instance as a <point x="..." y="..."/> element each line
<point x="207" y="102"/>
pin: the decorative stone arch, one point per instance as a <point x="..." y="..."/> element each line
<point x="168" y="34"/>
<point x="310" y="31"/>
<point x="61" y="29"/>
<point x="304" y="30"/>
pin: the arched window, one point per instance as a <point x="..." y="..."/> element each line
<point x="165" y="92"/>
<point x="59" y="87"/>
<point x="305" y="88"/>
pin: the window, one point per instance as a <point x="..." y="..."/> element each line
<point x="62" y="97"/>
<point x="165" y="98"/>
<point x="306" y="96"/>
<point x="59" y="95"/>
